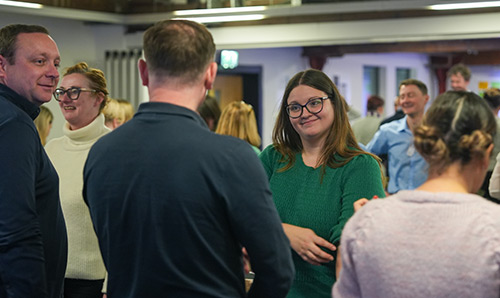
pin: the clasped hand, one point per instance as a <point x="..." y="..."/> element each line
<point x="308" y="245"/>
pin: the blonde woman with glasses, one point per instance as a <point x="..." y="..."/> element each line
<point x="82" y="95"/>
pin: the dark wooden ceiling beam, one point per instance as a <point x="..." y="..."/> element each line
<point x="470" y="46"/>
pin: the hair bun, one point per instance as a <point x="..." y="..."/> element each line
<point x="429" y="143"/>
<point x="475" y="143"/>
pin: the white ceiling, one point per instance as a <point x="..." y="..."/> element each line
<point x="416" y="28"/>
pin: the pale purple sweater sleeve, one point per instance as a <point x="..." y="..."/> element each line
<point x="347" y="285"/>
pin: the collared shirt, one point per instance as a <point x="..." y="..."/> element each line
<point x="407" y="168"/>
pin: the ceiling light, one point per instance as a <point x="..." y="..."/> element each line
<point x="221" y="19"/>
<point x="21" y="4"/>
<point x="466" y="5"/>
<point x="192" y="12"/>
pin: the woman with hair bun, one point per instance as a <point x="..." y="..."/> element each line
<point x="440" y="240"/>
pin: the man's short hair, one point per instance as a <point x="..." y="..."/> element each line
<point x="417" y="83"/>
<point x="460" y="69"/>
<point x="8" y="38"/>
<point x="178" y="49"/>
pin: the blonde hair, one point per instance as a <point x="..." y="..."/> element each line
<point x="113" y="111"/>
<point x="43" y="123"/>
<point x="127" y="108"/>
<point x="238" y="120"/>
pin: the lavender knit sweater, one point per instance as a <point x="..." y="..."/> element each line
<point x="422" y="244"/>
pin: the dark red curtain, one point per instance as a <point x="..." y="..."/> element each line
<point x="317" y="62"/>
<point x="441" y="78"/>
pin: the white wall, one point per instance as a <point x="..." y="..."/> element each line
<point x="349" y="69"/>
<point x="79" y="41"/>
<point x="483" y="73"/>
<point x="278" y="67"/>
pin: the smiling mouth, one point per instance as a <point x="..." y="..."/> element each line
<point x="69" y="108"/>
<point x="308" y="121"/>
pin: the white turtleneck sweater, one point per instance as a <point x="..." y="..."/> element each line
<point x="68" y="154"/>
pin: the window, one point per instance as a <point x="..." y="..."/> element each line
<point x="401" y="75"/>
<point x="371" y="80"/>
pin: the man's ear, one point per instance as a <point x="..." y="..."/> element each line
<point x="210" y="75"/>
<point x="143" y="71"/>
<point x="3" y="68"/>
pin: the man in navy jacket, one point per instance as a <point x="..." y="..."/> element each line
<point x="172" y="202"/>
<point x="33" y="243"/>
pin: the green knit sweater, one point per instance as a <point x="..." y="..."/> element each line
<point x="302" y="200"/>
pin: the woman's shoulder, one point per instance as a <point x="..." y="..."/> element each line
<point x="269" y="152"/>
<point x="363" y="158"/>
<point x="271" y="158"/>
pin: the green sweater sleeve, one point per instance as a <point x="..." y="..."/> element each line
<point x="361" y="178"/>
<point x="267" y="157"/>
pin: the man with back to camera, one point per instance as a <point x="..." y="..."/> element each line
<point x="407" y="169"/>
<point x="173" y="203"/>
<point x="33" y="243"/>
<point x="459" y="76"/>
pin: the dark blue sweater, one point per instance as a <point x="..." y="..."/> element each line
<point x="172" y="204"/>
<point x="33" y="242"/>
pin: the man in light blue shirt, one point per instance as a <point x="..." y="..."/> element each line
<point x="407" y="169"/>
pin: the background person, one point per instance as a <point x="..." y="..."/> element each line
<point x="398" y="113"/>
<point x="238" y="120"/>
<point x="172" y="202"/>
<point x="364" y="129"/>
<point x="210" y="112"/>
<point x="406" y="168"/>
<point x="114" y="114"/>
<point x="316" y="171"/>
<point x="33" y="244"/>
<point x="492" y="97"/>
<point x="440" y="240"/>
<point x="82" y="95"/>
<point x="43" y="123"/>
<point x="459" y="76"/>
<point x="128" y="109"/>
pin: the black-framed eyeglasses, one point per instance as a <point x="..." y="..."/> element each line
<point x="73" y="93"/>
<point x="313" y="106"/>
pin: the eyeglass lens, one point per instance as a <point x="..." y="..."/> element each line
<point x="314" y="106"/>
<point x="72" y="93"/>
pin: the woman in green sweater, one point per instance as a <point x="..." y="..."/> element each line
<point x="316" y="171"/>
